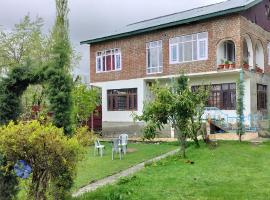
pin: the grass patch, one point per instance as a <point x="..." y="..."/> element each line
<point x="94" y="168"/>
<point x="231" y="170"/>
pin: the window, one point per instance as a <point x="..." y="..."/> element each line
<point x="154" y="57"/>
<point x="189" y="48"/>
<point x="222" y="96"/>
<point x="229" y="51"/>
<point x="109" y="60"/>
<point x="261" y="97"/>
<point x="122" y="99"/>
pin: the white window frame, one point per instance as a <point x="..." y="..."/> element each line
<point x="171" y="45"/>
<point x="194" y="38"/>
<point x="103" y="54"/>
<point x="153" y="45"/>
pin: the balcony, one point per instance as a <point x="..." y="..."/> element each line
<point x="226" y="55"/>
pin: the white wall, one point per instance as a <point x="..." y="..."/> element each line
<point x="120" y="116"/>
<point x="250" y="94"/>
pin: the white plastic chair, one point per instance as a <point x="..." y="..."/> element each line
<point x="123" y="142"/>
<point x="116" y="148"/>
<point x="99" y="148"/>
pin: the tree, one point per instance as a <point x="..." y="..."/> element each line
<point x="198" y="99"/>
<point x="85" y="100"/>
<point x="59" y="79"/>
<point x="172" y="104"/>
<point x="240" y="107"/>
<point x="25" y="41"/>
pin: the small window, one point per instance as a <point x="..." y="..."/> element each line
<point x="154" y="57"/>
<point x="109" y="60"/>
<point x="122" y="99"/>
<point x="261" y="97"/>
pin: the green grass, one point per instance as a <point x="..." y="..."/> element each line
<point x="229" y="171"/>
<point x="94" y="168"/>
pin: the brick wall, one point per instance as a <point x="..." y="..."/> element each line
<point x="133" y="49"/>
<point x="257" y="34"/>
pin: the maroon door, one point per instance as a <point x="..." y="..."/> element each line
<point x="95" y="121"/>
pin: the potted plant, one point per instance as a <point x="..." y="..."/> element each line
<point x="227" y="64"/>
<point x="245" y="65"/>
<point x="221" y="66"/>
<point x="258" y="69"/>
<point x="232" y="65"/>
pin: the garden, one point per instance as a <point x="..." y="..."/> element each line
<point x="222" y="170"/>
<point x="47" y="151"/>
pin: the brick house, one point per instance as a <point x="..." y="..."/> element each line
<point x="210" y="44"/>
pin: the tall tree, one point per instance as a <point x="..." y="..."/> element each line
<point x="59" y="79"/>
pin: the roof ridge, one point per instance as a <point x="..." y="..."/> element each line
<point x="146" y="20"/>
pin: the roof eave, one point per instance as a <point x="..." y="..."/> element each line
<point x="172" y="24"/>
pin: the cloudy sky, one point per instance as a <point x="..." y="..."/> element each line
<point x="90" y="18"/>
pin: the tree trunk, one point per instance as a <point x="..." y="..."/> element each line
<point x="182" y="142"/>
<point x="196" y="141"/>
<point x="240" y="137"/>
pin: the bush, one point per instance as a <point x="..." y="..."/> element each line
<point x="8" y="181"/>
<point x="84" y="136"/>
<point x="51" y="155"/>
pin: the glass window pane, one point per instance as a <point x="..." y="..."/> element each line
<point x="225" y="86"/>
<point x="180" y="52"/>
<point x="160" y="61"/>
<point x="117" y="61"/>
<point x="108" y="63"/>
<point x="187" y="38"/>
<point x="202" y="49"/>
<point x="188" y="51"/>
<point x="153" y="57"/>
<point x="173" y="40"/>
<point x="99" y="64"/>
<point x="195" y="50"/>
<point x="174" y="53"/>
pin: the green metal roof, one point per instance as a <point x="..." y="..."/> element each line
<point x="188" y="16"/>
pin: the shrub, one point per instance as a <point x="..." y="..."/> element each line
<point x="8" y="181"/>
<point x="51" y="155"/>
<point x="84" y="136"/>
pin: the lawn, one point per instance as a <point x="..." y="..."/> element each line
<point x="229" y="171"/>
<point x="95" y="167"/>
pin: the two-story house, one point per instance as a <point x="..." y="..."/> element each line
<point x="210" y="44"/>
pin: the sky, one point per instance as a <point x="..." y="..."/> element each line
<point x="90" y="18"/>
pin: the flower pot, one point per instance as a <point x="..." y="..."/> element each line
<point x="246" y="66"/>
<point x="221" y="66"/>
<point x="232" y="66"/>
<point x="259" y="70"/>
<point x="227" y="66"/>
